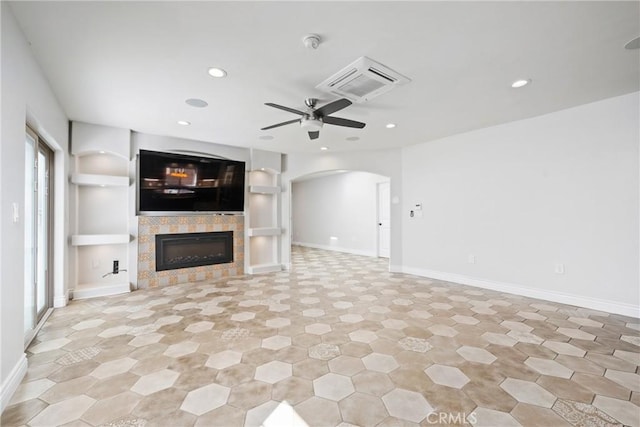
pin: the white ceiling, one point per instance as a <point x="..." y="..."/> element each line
<point x="133" y="64"/>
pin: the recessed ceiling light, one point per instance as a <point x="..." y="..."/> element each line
<point x="184" y="123"/>
<point x="266" y="137"/>
<point x="324" y="148"/>
<point x="390" y="125"/>
<point x="195" y="102"/>
<point x="217" y="72"/>
<point x="101" y="151"/>
<point x="353" y="138"/>
<point x="520" y="83"/>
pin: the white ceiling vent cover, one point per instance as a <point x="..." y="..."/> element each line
<point x="363" y="80"/>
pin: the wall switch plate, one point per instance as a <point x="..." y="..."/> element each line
<point x="15" y="211"/>
<point x="471" y="259"/>
<point x="95" y="263"/>
<point x="559" y="269"/>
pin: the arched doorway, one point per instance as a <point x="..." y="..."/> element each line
<point x="341" y="210"/>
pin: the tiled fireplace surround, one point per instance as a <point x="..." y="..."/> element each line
<point x="149" y="226"/>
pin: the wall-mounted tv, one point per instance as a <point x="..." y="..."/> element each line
<point x="170" y="183"/>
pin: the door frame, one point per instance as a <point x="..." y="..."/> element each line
<point x="378" y="220"/>
<point x="41" y="146"/>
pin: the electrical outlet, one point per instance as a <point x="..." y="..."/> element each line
<point x="471" y="259"/>
<point x="116" y="266"/>
<point x="559" y="269"/>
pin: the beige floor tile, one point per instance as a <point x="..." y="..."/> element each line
<point x="30" y="390"/>
<point x="335" y="325"/>
<point x="68" y="389"/>
<point x="602" y="386"/>
<point x="483" y="417"/>
<point x="20" y="413"/>
<point x="531" y="415"/>
<point x="293" y="390"/>
<point x="490" y="396"/>
<point x="317" y="411"/>
<point x="63" y="412"/>
<point x="407" y="405"/>
<point x="565" y="389"/>
<point x="528" y="392"/>
<point x="205" y="399"/>
<point x="622" y="410"/>
<point x="112" y="408"/>
<point x="159" y="404"/>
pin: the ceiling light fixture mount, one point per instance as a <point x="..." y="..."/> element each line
<point x="311" y="41"/>
<point x="520" y="83"/>
<point x="390" y="125"/>
<point x="183" y="123"/>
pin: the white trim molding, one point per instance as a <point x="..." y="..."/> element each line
<point x="552" y="296"/>
<point x="61" y="300"/>
<point x="11" y="383"/>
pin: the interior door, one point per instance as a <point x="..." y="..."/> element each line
<point x="384" y="219"/>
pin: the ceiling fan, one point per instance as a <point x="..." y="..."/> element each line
<point x="313" y="119"/>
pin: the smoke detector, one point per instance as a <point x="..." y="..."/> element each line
<point x="363" y="80"/>
<point x="311" y="41"/>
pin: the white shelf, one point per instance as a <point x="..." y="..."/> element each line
<point x="264" y="189"/>
<point x="264" y="268"/>
<point x="265" y="231"/>
<point x="99" y="180"/>
<point x="92" y="290"/>
<point x="99" y="239"/>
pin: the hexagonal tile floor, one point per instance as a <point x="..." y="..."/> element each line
<point x="338" y="340"/>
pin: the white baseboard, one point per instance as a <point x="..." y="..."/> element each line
<point x="11" y="383"/>
<point x="264" y="268"/>
<point x="83" y="291"/>
<point x="553" y="296"/>
<point x="336" y="249"/>
<point x="61" y="300"/>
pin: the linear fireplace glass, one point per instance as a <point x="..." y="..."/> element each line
<point x="185" y="250"/>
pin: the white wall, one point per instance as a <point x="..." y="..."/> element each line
<point x="387" y="163"/>
<point x="26" y="96"/>
<point x="337" y="212"/>
<point x="525" y="196"/>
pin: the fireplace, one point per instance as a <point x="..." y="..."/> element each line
<point x="175" y="251"/>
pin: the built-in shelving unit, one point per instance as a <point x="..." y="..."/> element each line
<point x="101" y="179"/>
<point x="264" y="231"/>
<point x="93" y="180"/>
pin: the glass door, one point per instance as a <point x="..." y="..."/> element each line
<point x="37" y="217"/>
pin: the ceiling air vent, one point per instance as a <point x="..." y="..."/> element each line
<point x="363" y="80"/>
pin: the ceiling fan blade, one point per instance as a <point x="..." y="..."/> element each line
<point x="281" y="107"/>
<point x="314" y="134"/>
<point x="332" y="107"/>
<point x="343" y="122"/>
<point x="282" y="124"/>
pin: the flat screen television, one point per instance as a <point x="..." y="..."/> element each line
<point x="170" y="183"/>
